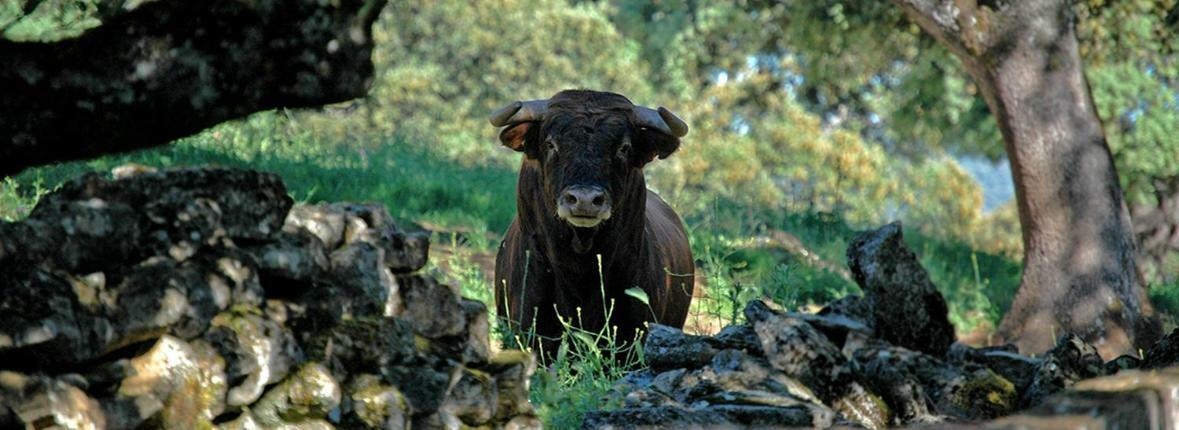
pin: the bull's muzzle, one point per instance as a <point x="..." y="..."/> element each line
<point x="583" y="206"/>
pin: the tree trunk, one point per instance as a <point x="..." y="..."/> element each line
<point x="170" y="68"/>
<point x="1079" y="274"/>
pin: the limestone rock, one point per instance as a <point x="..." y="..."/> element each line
<point x="1071" y="360"/>
<point x="669" y="348"/>
<point x="339" y="224"/>
<point x="191" y="299"/>
<point x="512" y="371"/>
<point x="42" y="322"/>
<point x="308" y="394"/>
<point x="473" y="399"/>
<point x="292" y="260"/>
<point x="908" y="309"/>
<point x="259" y="353"/>
<point x="432" y="309"/>
<point x="370" y="345"/>
<point x="374" y="405"/>
<point x="795" y="347"/>
<point x="37" y="401"/>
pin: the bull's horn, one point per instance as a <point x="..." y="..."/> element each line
<point x="518" y="112"/>
<point x="662" y="120"/>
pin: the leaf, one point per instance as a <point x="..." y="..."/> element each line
<point x="585" y="339"/>
<point x="639" y="294"/>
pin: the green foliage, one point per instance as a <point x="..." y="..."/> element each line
<point x="48" y="20"/>
<point x="15" y="204"/>
<point x="1165" y="298"/>
<point x="583" y="371"/>
<point x="490" y="53"/>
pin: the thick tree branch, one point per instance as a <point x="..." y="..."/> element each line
<point x="173" y="67"/>
<point x="966" y="27"/>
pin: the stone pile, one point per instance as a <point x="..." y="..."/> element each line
<point x="885" y="359"/>
<point x="196" y="299"/>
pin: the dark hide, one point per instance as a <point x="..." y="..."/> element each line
<point x="547" y="267"/>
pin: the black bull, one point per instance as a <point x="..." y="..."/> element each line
<point x="583" y="209"/>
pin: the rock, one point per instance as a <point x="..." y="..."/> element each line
<point x="794" y="347"/>
<point x="250" y="204"/>
<point x="432" y="309"/>
<point x="853" y="307"/>
<point x="477" y="345"/>
<point x="248" y="421"/>
<point x="175" y="384"/>
<point x="1071" y="360"/>
<point x="43" y="323"/>
<point x="322" y="221"/>
<point x="1003" y="360"/>
<point x="922" y="389"/>
<point x="259" y="353"/>
<point x="1124" y="362"/>
<point x="1163" y="353"/>
<point x="718" y="415"/>
<point x="741" y="337"/>
<point x="836" y="327"/>
<point x="375" y="405"/>
<point x="523" y="422"/>
<point x="308" y="394"/>
<point x="512" y="371"/>
<point x="890" y="372"/>
<point x="167" y="299"/>
<point x="1131" y="399"/>
<point x="361" y="284"/>
<point x="38" y="401"/>
<point x="908" y="309"/>
<point x="984" y="394"/>
<point x="405" y="252"/>
<point x="865" y="408"/>
<point x="371" y="344"/>
<point x="292" y="260"/>
<point x="669" y="348"/>
<point x="473" y="398"/>
<point x="338" y="224"/>
<point x="424" y="383"/>
<point x="73" y="235"/>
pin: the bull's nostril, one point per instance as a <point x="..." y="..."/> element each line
<point x="599" y="200"/>
<point x="570" y="199"/>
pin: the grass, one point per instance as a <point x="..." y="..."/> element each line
<point x="743" y="253"/>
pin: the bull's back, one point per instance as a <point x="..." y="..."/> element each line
<point x="670" y="239"/>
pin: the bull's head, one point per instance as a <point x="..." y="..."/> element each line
<point x="591" y="148"/>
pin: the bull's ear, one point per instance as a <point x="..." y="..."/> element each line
<point x="653" y="143"/>
<point x="517" y="136"/>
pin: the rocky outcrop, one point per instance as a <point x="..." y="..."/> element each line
<point x="880" y="360"/>
<point x="907" y="309"/>
<point x="204" y="298"/>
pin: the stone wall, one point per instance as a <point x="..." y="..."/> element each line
<point x="204" y="298"/>
<point x="884" y="359"/>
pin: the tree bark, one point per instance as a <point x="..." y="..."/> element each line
<point x="1079" y="274"/>
<point x="171" y="68"/>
